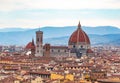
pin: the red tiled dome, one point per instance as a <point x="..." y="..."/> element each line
<point x="30" y="45"/>
<point x="79" y="36"/>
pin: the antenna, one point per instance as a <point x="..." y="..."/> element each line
<point x="39" y="28"/>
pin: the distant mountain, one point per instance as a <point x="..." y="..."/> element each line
<point x="59" y="35"/>
<point x="115" y="42"/>
<point x="57" y="41"/>
<point x="102" y="30"/>
<point x="112" y="39"/>
<point x="12" y="29"/>
<point x="50" y="32"/>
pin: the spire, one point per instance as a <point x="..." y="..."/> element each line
<point x="79" y="25"/>
<point x="32" y="41"/>
<point x="78" y="33"/>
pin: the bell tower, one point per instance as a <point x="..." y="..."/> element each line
<point x="39" y="43"/>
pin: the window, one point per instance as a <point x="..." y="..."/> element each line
<point x="37" y="50"/>
<point x="41" y="39"/>
<point x="37" y="45"/>
<point x="58" y="50"/>
<point x="38" y="39"/>
<point x="52" y="50"/>
<point x="64" y="50"/>
<point x="73" y="46"/>
<point x="81" y="46"/>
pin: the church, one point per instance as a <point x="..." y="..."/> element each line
<point x="78" y="45"/>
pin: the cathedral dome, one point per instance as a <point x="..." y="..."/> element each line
<point x="79" y="36"/>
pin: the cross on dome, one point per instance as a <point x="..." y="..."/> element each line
<point x="79" y="25"/>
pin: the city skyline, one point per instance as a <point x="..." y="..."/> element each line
<point x="32" y="14"/>
<point x="59" y="41"/>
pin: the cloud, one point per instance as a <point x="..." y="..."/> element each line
<point x="29" y="23"/>
<point x="35" y="13"/>
<point x="12" y="5"/>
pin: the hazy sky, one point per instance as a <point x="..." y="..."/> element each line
<point x="35" y="13"/>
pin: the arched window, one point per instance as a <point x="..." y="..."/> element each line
<point x="73" y="46"/>
<point x="38" y="39"/>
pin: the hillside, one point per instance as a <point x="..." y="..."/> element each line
<point x="94" y="39"/>
<point x="60" y="35"/>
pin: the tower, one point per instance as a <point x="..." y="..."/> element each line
<point x="47" y="50"/>
<point x="39" y="43"/>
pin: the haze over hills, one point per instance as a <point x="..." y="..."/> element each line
<point x="60" y="35"/>
<point x="12" y="29"/>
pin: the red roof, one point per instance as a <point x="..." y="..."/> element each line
<point x="40" y="72"/>
<point x="79" y="36"/>
<point x="89" y="51"/>
<point x="30" y="45"/>
<point x="58" y="47"/>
